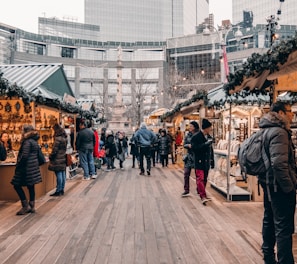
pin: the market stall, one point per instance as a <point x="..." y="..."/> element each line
<point x="273" y="74"/>
<point x="25" y="99"/>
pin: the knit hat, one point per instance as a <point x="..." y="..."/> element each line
<point x="195" y="125"/>
<point x="206" y="124"/>
<point x="28" y="128"/>
<point x="143" y="125"/>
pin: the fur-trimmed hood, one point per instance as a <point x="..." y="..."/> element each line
<point x="31" y="134"/>
<point x="273" y="119"/>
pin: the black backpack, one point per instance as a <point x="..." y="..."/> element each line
<point x="252" y="157"/>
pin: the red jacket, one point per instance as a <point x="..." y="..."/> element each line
<point x="96" y="147"/>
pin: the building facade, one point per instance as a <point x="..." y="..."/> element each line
<point x="91" y="67"/>
<point x="145" y="20"/>
<point x="262" y="9"/>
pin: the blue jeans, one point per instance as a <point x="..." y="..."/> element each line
<point x="110" y="163"/>
<point x="61" y="179"/>
<point x="86" y="160"/>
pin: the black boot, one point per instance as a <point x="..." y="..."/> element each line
<point x="55" y="194"/>
<point x="25" y="209"/>
<point x="32" y="207"/>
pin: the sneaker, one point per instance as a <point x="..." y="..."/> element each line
<point x="87" y="179"/>
<point x="108" y="170"/>
<point x="185" y="194"/>
<point x="94" y="176"/>
<point x="204" y="200"/>
<point x="141" y="173"/>
<point x="122" y="168"/>
<point x="114" y="168"/>
<point x="148" y="173"/>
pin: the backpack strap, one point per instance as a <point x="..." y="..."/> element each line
<point x="267" y="163"/>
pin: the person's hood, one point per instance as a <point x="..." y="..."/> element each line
<point x="31" y="134"/>
<point x="273" y="119"/>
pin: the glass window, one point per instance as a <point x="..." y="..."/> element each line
<point x="67" y="52"/>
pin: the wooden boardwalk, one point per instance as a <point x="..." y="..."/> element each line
<point x="122" y="217"/>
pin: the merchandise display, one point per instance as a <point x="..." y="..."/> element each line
<point x="14" y="114"/>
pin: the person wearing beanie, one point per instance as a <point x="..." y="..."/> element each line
<point x="201" y="144"/>
<point x="189" y="157"/>
<point x="195" y="125"/>
<point x="206" y="124"/>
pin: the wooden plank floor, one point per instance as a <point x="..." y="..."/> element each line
<point x="122" y="217"/>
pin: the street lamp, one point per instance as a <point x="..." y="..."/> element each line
<point x="238" y="35"/>
<point x="224" y="69"/>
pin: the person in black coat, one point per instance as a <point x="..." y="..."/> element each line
<point x="164" y="147"/>
<point x="110" y="150"/>
<point x="201" y="144"/>
<point x="27" y="172"/>
<point x="188" y="159"/>
<point x="121" y="146"/>
<point x="134" y="151"/>
<point x="58" y="159"/>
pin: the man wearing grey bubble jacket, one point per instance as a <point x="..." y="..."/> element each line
<point x="279" y="186"/>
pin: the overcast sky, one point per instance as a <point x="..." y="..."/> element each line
<point x="24" y="14"/>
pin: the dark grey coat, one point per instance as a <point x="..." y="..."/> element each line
<point x="85" y="140"/>
<point x="279" y="147"/>
<point x="27" y="170"/>
<point x="189" y="161"/>
<point x="164" y="145"/>
<point x="58" y="155"/>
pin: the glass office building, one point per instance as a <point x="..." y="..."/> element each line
<point x="262" y="9"/>
<point x="145" y="20"/>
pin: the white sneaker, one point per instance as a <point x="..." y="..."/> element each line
<point x="87" y="179"/>
<point x="94" y="176"/>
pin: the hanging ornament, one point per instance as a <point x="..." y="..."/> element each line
<point x="17" y="106"/>
<point x="27" y="108"/>
<point x="8" y="107"/>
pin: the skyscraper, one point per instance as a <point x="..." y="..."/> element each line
<point x="262" y="9"/>
<point x="145" y="20"/>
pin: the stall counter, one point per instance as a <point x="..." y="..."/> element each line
<point x="7" y="192"/>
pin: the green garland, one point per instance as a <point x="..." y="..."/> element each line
<point x="259" y="63"/>
<point x="200" y="95"/>
<point x="8" y="90"/>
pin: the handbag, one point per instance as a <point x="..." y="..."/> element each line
<point x="69" y="161"/>
<point x="41" y="158"/>
<point x="97" y="163"/>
